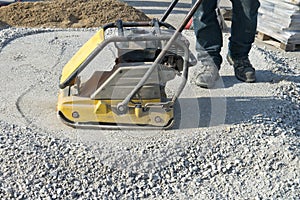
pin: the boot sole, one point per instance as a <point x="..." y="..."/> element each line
<point x="205" y="85"/>
<point x="245" y="80"/>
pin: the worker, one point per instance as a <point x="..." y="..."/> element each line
<point x="209" y="40"/>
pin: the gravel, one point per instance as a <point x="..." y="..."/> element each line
<point x="257" y="158"/>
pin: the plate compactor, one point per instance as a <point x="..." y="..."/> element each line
<point x="117" y="79"/>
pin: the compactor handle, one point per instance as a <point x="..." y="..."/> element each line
<point x="121" y="107"/>
<point x="169" y="10"/>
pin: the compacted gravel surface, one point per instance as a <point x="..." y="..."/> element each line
<point x="234" y="141"/>
<point x="256" y="157"/>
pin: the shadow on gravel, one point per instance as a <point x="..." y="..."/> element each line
<point x="234" y="110"/>
<point x="3" y="25"/>
<point x="267" y="76"/>
<point x="161" y="12"/>
<point x="161" y="5"/>
<point x="262" y="76"/>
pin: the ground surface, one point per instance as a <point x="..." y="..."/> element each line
<point x="234" y="141"/>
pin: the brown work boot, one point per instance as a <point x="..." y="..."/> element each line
<point x="208" y="76"/>
<point x="243" y="69"/>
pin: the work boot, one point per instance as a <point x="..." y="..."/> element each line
<point x="208" y="76"/>
<point x="243" y="69"/>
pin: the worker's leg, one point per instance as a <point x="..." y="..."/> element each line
<point x="243" y="29"/>
<point x="209" y="42"/>
<point x="208" y="33"/>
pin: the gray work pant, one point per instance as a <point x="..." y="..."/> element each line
<point x="209" y="34"/>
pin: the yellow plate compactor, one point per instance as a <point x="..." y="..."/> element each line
<point x="117" y="79"/>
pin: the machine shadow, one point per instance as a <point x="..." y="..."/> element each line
<point x="162" y="6"/>
<point x="215" y="111"/>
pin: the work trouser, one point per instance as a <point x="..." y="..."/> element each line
<point x="209" y="34"/>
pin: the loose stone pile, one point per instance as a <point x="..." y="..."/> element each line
<point x="243" y="161"/>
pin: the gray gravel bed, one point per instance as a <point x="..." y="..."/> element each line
<point x="253" y="159"/>
<point x="258" y="159"/>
